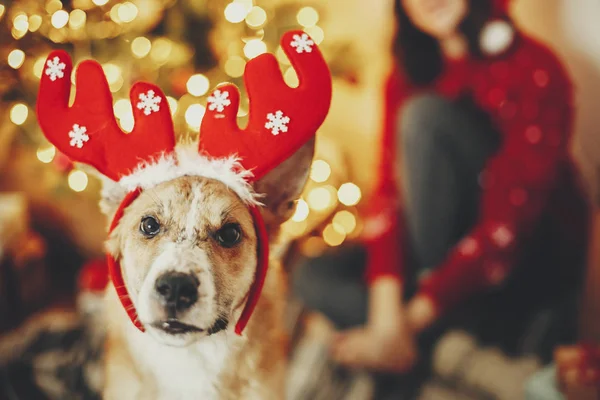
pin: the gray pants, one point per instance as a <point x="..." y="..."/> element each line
<point x="443" y="147"/>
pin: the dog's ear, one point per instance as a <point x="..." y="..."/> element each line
<point x="110" y="197"/>
<point x="283" y="186"/>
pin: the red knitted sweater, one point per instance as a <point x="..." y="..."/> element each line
<point x="528" y="96"/>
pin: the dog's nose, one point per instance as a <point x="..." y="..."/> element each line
<point x="177" y="290"/>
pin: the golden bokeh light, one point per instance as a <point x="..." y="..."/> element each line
<point x="235" y="12"/>
<point x="16" y="58"/>
<point x="35" y="22"/>
<point x="161" y="50"/>
<point x="332" y="237"/>
<point x="198" y="85"/>
<point x="316" y="33"/>
<point x="172" y="104"/>
<point x="2" y="9"/>
<point x="38" y="67"/>
<point x="127" y="12"/>
<point x="290" y="77"/>
<point x="21" y="23"/>
<point x="60" y="19"/>
<point x="349" y="194"/>
<point x="234" y="66"/>
<point x="281" y="56"/>
<point x="254" y="47"/>
<point x="19" y="113"/>
<point x="100" y="2"/>
<point x="78" y="180"/>
<point x="77" y="19"/>
<point x="141" y="46"/>
<point x="320" y="171"/>
<point x="307" y="17"/>
<point x="301" y="212"/>
<point x="320" y="198"/>
<point x="127" y="122"/>
<point x="256" y="17"/>
<point x="344" y="221"/>
<point x="194" y="115"/>
<point x="46" y="154"/>
<point x="112" y="72"/>
<point x="53" y="6"/>
<point x="122" y="107"/>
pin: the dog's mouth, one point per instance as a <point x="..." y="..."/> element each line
<point x="176" y="327"/>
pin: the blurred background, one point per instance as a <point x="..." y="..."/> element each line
<point x="50" y="224"/>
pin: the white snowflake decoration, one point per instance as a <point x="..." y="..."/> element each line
<point x="218" y="100"/>
<point x="149" y="102"/>
<point x="78" y="136"/>
<point x="302" y="43"/>
<point x="55" y="69"/>
<point x="277" y="122"/>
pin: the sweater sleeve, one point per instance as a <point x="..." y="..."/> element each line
<point x="381" y="232"/>
<point x="531" y="107"/>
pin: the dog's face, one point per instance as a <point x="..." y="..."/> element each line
<point x="188" y="249"/>
<point x="188" y="252"/>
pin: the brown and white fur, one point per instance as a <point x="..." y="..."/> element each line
<point x="156" y="365"/>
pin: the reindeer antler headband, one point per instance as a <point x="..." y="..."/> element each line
<point x="281" y="120"/>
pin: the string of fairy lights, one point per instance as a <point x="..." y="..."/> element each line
<point x="326" y="213"/>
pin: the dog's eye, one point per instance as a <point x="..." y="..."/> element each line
<point x="149" y="226"/>
<point x="229" y="235"/>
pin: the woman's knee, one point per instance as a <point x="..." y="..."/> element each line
<point x="418" y="117"/>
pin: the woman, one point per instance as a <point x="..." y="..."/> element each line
<point x="477" y="201"/>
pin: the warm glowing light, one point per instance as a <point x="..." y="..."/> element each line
<point x="161" y="50"/>
<point x="234" y="66"/>
<point x="319" y="198"/>
<point x="349" y="194"/>
<point x="127" y="122"/>
<point x="114" y="13"/>
<point x="242" y="111"/>
<point x="77" y="19"/>
<point x="99" y="2"/>
<point x="235" y="12"/>
<point x="46" y="154"/>
<point x="320" y="171"/>
<point x="35" y="22"/>
<point x="246" y="3"/>
<point x="16" y="58"/>
<point x="38" y="66"/>
<point x="198" y="85"/>
<point x="172" y="104"/>
<point x="313" y="246"/>
<point x="53" y="6"/>
<point x="78" y="180"/>
<point x="194" y="115"/>
<point x="2" y="9"/>
<point x="301" y="212"/>
<point x="21" y="23"/>
<point x="19" y="113"/>
<point x="60" y="19"/>
<point x="141" y="46"/>
<point x="112" y="72"/>
<point x="332" y="237"/>
<point x="255" y="47"/>
<point x="127" y="12"/>
<point x="344" y="221"/>
<point x="122" y="107"/>
<point x="290" y="77"/>
<point x="315" y="33"/>
<point x="256" y="17"/>
<point x="307" y="17"/>
<point x="295" y="228"/>
<point x="281" y="57"/>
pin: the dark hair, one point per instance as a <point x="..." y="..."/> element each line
<point x="419" y="54"/>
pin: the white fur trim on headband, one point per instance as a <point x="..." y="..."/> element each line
<point x="496" y="37"/>
<point x="187" y="161"/>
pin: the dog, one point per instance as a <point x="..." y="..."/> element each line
<point x="199" y="271"/>
<point x="195" y="307"/>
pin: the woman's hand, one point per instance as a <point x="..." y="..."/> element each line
<point x="390" y="349"/>
<point x="386" y="342"/>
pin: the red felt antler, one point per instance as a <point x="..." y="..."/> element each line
<point x="87" y="131"/>
<point x="281" y="118"/>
